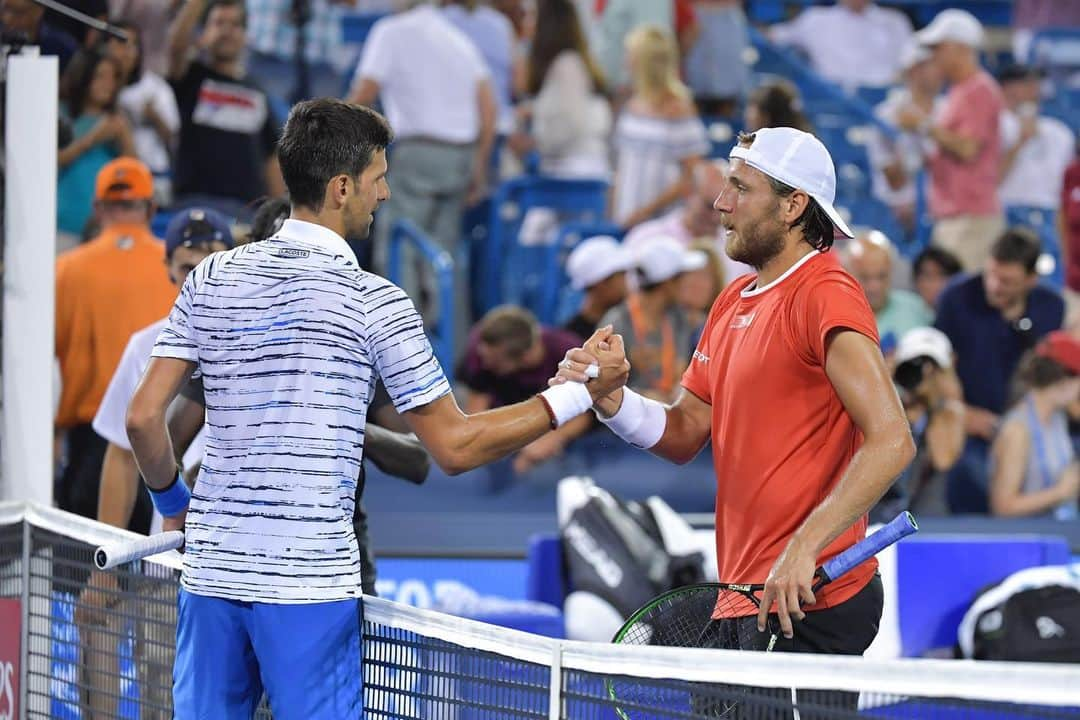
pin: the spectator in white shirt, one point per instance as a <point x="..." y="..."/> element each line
<point x="437" y="94"/>
<point x="571" y="117"/>
<point x="896" y="161"/>
<point x="150" y="105"/>
<point x="852" y="43"/>
<point x="493" y="35"/>
<point x="1037" y="148"/>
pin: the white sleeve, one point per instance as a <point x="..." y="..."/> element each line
<point x="400" y="350"/>
<point x="109" y="422"/>
<point x="376" y="58"/>
<point x="794" y="32"/>
<point x="559" y="112"/>
<point x="177" y="338"/>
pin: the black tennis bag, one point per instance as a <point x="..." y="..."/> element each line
<point x="1032" y="616"/>
<point x="615" y="550"/>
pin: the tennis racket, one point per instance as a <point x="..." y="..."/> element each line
<point x="683" y="617"/>
<point x="109" y="556"/>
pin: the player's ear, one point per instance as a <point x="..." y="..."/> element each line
<point x="337" y="190"/>
<point x="794" y="205"/>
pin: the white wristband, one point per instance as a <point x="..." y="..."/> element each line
<point x="640" y="421"/>
<point x="567" y="401"/>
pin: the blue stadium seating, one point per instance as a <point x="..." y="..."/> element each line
<point x="1044" y="224"/>
<point x="559" y="301"/>
<point x="510" y="272"/>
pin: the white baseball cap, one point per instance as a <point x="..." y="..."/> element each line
<point x="912" y="55"/>
<point x="664" y="257"/>
<point x="952" y="25"/>
<point x="798" y="159"/>
<point x="925" y="342"/>
<point x="596" y="259"/>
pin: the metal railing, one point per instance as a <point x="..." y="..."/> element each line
<point x="406" y="232"/>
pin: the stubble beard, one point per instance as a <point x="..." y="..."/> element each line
<point x="758" y="243"/>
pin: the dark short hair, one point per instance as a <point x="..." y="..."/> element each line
<point x="1018" y="245"/>
<point x="268" y="218"/>
<point x="325" y="138"/>
<point x="214" y="4"/>
<point x="817" y="227"/>
<point x="510" y="328"/>
<point x="944" y="259"/>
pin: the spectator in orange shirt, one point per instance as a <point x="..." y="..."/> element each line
<point x="106" y="289"/>
<point x="789" y="384"/>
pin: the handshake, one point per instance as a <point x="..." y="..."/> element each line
<point x="602" y="364"/>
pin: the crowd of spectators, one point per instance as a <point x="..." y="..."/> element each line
<point x="184" y="114"/>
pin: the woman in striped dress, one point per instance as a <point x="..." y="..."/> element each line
<point x="659" y="136"/>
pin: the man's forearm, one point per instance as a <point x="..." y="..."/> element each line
<point x="873" y="469"/>
<point x="153" y="450"/>
<point x="119" y="487"/>
<point x="179" y="36"/>
<point x="488" y="436"/>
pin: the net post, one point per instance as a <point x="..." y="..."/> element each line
<point x="555" y="686"/>
<point x="24" y="622"/>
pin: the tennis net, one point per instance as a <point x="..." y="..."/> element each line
<point x="79" y="656"/>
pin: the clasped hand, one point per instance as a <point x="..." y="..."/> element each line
<point x="605" y="351"/>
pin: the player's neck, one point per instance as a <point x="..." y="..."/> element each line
<point x="782" y="262"/>
<point x="330" y="220"/>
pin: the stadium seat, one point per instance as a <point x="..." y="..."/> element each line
<point x="511" y="272"/>
<point x="559" y="301"/>
<point x="442" y="266"/>
<point x="1044" y="224"/>
<point x="160" y="221"/>
<point x="356" y="26"/>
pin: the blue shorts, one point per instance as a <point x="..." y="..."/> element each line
<point x="306" y="658"/>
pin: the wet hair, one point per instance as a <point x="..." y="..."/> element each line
<point x="325" y="138"/>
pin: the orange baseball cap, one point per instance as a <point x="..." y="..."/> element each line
<point x="124" y="179"/>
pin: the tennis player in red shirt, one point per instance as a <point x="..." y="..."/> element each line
<point x="789" y="384"/>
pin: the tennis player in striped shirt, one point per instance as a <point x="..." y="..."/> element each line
<point x="289" y="335"/>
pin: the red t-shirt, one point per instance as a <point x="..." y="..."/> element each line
<point x="1070" y="212"/>
<point x="781" y="438"/>
<point x="972" y="108"/>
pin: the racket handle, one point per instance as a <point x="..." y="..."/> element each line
<point x="901" y="526"/>
<point x="109" y="556"/>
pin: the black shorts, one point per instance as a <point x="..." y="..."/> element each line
<point x="846" y="629"/>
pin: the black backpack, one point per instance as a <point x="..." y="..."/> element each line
<point x="615" y="550"/>
<point x="1031" y="616"/>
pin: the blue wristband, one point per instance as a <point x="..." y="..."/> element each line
<point x="172" y="500"/>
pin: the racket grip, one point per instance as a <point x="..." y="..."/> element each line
<point x="902" y="525"/>
<point x="109" y="556"/>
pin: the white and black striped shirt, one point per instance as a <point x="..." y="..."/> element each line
<point x="289" y="335"/>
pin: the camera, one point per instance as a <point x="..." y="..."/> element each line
<point x="910" y="373"/>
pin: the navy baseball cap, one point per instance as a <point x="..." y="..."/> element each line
<point x="197" y="226"/>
